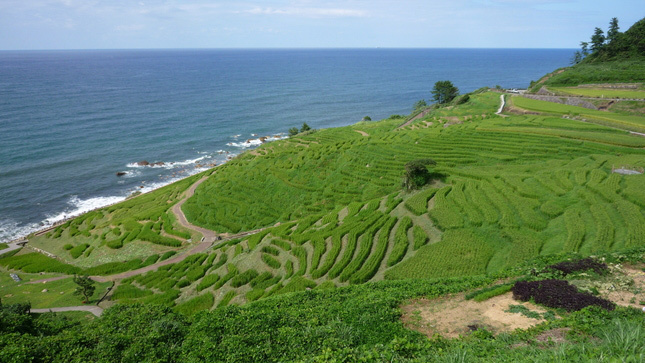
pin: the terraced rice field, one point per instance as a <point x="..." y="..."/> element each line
<point x="505" y="190"/>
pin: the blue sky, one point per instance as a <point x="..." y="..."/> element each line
<point x="101" y="24"/>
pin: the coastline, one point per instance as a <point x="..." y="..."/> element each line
<point x="247" y="145"/>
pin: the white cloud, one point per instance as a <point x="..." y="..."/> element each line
<point x="309" y="12"/>
<point x="129" y="28"/>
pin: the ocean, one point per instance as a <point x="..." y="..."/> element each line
<point x="71" y="120"/>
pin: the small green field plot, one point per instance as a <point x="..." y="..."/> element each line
<point x="44" y="294"/>
<point x="135" y="228"/>
<point x="622" y="71"/>
<point x="598" y="92"/>
<point x="626" y="122"/>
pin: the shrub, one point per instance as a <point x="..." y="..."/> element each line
<point x="270" y="261"/>
<point x="111" y="268"/>
<point x="226" y="298"/>
<point x="401" y="242"/>
<point x="35" y="262"/>
<point x="567" y="267"/>
<point x="420" y="237"/>
<point x="557" y="294"/>
<point x="183" y="283"/>
<point x="208" y="281"/>
<point x="244" y="278"/>
<point x="167" y="255"/>
<point x="127" y="291"/>
<point x="254" y="294"/>
<point x="68" y="247"/>
<point x="198" y="303"/>
<point x="77" y="251"/>
<point x="271" y="250"/>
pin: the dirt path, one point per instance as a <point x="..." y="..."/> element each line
<point x="362" y="133"/>
<point x="96" y="310"/>
<point x="501" y="107"/>
<point x="48" y="280"/>
<point x="420" y="115"/>
<point x="209" y="236"/>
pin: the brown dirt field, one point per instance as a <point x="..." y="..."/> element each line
<point x="451" y="316"/>
<point x="625" y="297"/>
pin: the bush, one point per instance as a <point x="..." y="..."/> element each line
<point x="77" y="251"/>
<point x="207" y="281"/>
<point x="68" y="247"/>
<point x="35" y="262"/>
<point x="127" y="291"/>
<point x="244" y="278"/>
<point x="557" y="294"/>
<point x="270" y="261"/>
<point x="167" y="255"/>
<point x="198" y="303"/>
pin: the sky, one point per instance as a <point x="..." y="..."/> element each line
<point x="124" y="24"/>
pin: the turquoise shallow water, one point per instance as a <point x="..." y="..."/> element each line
<point x="70" y="120"/>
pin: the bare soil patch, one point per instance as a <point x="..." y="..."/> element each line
<point x="453" y="316"/>
<point x="362" y="133"/>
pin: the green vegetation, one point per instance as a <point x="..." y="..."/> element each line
<point x="444" y="92"/>
<point x="508" y="196"/>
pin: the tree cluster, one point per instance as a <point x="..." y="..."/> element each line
<point x="417" y="174"/>
<point x="294" y="130"/>
<point x="610" y="45"/>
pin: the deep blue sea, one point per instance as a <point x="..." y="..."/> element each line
<point x="70" y="120"/>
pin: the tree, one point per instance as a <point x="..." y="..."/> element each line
<point x="366" y="118"/>
<point x="417" y="174"/>
<point x="585" y="48"/>
<point x="577" y="58"/>
<point x="419" y="105"/>
<point x="293" y="131"/>
<point x="597" y="39"/>
<point x="444" y="92"/>
<point x="613" y="32"/>
<point x="305" y="127"/>
<point x="85" y="287"/>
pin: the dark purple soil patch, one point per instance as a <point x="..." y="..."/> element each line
<point x="557" y="294"/>
<point x="585" y="264"/>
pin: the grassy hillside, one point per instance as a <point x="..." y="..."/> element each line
<point x="510" y="189"/>
<point x="341" y="264"/>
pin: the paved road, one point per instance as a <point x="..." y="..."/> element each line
<point x="96" y="310"/>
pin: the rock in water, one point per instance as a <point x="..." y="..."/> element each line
<point x="143" y="163"/>
<point x="120" y="173"/>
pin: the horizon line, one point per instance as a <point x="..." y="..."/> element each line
<point x="276" y="48"/>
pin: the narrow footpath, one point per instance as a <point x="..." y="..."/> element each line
<point x="96" y="310"/>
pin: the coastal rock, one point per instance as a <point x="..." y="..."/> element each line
<point x="120" y="173"/>
<point x="264" y="138"/>
<point x="143" y="163"/>
<point x="248" y="141"/>
<point x="158" y="163"/>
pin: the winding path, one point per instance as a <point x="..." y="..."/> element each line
<point x="418" y="116"/>
<point x="96" y="310"/>
<point x="209" y="236"/>
<point x="501" y="107"/>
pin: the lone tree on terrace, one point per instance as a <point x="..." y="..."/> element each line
<point x="417" y="174"/>
<point x="444" y="92"/>
<point x="85" y="287"/>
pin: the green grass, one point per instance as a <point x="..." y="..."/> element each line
<point x="505" y="190"/>
<point x="600" y="92"/>
<point x="627" y="122"/>
<point x="59" y="293"/>
<point x="626" y="71"/>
